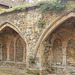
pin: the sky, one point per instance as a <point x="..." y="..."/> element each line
<point x="31" y="1"/>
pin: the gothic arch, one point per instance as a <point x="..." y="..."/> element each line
<point x="53" y="25"/>
<point x="16" y="29"/>
<point x="6" y="24"/>
<point x="61" y="38"/>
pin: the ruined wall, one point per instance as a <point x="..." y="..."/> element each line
<point x="13" y="48"/>
<point x="58" y="49"/>
<point x="29" y="27"/>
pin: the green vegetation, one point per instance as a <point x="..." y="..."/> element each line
<point x="3" y="9"/>
<point x="34" y="73"/>
<point x="17" y="8"/>
<point x="42" y="22"/>
<point x="43" y="6"/>
<point x="12" y="72"/>
<point x="50" y="6"/>
<point x="9" y="71"/>
<point x="74" y="8"/>
<point x="9" y="7"/>
<point x="37" y="74"/>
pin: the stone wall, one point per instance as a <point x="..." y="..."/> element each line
<point x="12" y="48"/>
<point x="27" y="30"/>
<point x="59" y="49"/>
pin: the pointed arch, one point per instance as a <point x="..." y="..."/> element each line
<point x="53" y="25"/>
<point x="6" y="24"/>
<point x="17" y="30"/>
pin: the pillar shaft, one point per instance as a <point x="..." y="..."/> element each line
<point x="0" y="52"/>
<point x="64" y="45"/>
<point x="14" y="50"/>
<point x="24" y="54"/>
<point x="8" y="51"/>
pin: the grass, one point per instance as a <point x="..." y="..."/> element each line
<point x="9" y="71"/>
<point x="12" y="72"/>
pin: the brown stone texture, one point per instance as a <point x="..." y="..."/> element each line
<point x="19" y="50"/>
<point x="57" y="51"/>
<point x="11" y="50"/>
<point x="71" y="51"/>
<point x="4" y="52"/>
<point x="25" y="43"/>
<point x="60" y="48"/>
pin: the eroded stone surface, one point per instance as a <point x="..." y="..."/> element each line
<point x="20" y="33"/>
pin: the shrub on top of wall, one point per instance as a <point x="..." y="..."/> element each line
<point x="47" y="6"/>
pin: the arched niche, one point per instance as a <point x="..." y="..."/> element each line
<point x="19" y="50"/>
<point x="57" y="52"/>
<point x="4" y="39"/>
<point x="56" y="44"/>
<point x="10" y="37"/>
<point x="71" y="52"/>
<point x="62" y="28"/>
<point x="52" y="26"/>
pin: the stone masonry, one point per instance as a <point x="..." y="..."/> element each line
<point x="26" y="44"/>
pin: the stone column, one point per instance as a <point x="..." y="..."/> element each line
<point x="14" y="50"/>
<point x="42" y="60"/>
<point x="24" y="52"/>
<point x="51" y="55"/>
<point x="0" y="52"/>
<point x="64" y="45"/>
<point x="8" y="44"/>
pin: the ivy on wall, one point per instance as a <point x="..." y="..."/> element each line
<point x="47" y="6"/>
<point x="42" y="22"/>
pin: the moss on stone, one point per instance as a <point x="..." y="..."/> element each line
<point x="45" y="4"/>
